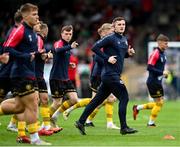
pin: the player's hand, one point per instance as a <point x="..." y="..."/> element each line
<point x="42" y="51"/>
<point x="166" y="73"/>
<point x="112" y="59"/>
<point x="131" y="51"/>
<point x="44" y="56"/>
<point x="50" y="55"/>
<point x="32" y="56"/>
<point x="74" y="44"/>
<point x="4" y="58"/>
<point x="72" y="65"/>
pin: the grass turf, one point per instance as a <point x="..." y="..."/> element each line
<point x="168" y="122"/>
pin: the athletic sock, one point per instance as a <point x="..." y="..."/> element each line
<point x="1" y="112"/>
<point x="51" y="110"/>
<point x="44" y="111"/>
<point x="33" y="131"/>
<point x="149" y="105"/>
<point x="13" y="120"/>
<point x="82" y="103"/>
<point x="21" y="128"/>
<point x="67" y="104"/>
<point x="93" y="114"/>
<point x="156" y="109"/>
<point x="109" y="111"/>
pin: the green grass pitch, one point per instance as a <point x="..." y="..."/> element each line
<point x="168" y="122"/>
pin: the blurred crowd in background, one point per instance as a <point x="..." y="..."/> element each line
<point x="145" y="20"/>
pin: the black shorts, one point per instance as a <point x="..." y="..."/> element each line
<point x="155" y="90"/>
<point x="74" y="83"/>
<point x="41" y="85"/>
<point x="22" y="86"/>
<point x="60" y="88"/>
<point x="95" y="83"/>
<point x="5" y="87"/>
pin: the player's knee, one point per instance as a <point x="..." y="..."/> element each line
<point x="111" y="98"/>
<point x="43" y="98"/>
<point x="57" y="102"/>
<point x="73" y="100"/>
<point x="19" y="108"/>
<point x="44" y="101"/>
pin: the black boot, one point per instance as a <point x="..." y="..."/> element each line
<point x="80" y="127"/>
<point x="89" y="124"/>
<point x="128" y="130"/>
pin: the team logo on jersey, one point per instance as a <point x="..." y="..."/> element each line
<point x="158" y="92"/>
<point x="1" y="91"/>
<point x="28" y="87"/>
<point x="98" y="41"/>
<point x="126" y="43"/>
<point x="121" y="82"/>
<point x="162" y="59"/>
<point x="30" y="38"/>
<point x="160" y="78"/>
<point x="56" y="93"/>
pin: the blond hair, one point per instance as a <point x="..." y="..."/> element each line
<point x="67" y="28"/>
<point x="43" y="25"/>
<point x="28" y="7"/>
<point x="105" y="26"/>
<point x="162" y="37"/>
<point x="18" y="16"/>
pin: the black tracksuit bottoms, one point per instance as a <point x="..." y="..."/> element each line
<point x="108" y="86"/>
